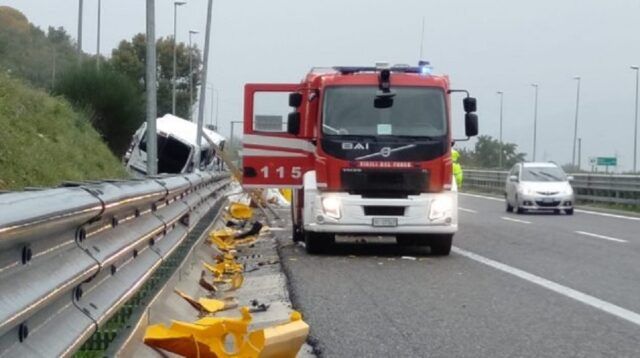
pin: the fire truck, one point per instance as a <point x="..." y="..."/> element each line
<point x="367" y="150"/>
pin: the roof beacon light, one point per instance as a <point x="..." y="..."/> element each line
<point x="382" y="66"/>
<point x="425" y="67"/>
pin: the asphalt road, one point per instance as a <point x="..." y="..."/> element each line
<point x="530" y="285"/>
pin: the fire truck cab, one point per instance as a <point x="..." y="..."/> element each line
<point x="367" y="150"/>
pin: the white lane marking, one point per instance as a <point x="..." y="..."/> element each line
<point x="616" y="216"/>
<point x="600" y="236"/>
<point x="608" y="215"/>
<point x="589" y="300"/>
<point x="467" y="210"/>
<point x="482" y="196"/>
<point x="515" y="220"/>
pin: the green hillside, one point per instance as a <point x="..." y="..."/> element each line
<point x="43" y="141"/>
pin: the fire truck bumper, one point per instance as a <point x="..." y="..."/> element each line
<point x="429" y="213"/>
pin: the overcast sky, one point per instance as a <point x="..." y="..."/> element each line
<point x="484" y="45"/>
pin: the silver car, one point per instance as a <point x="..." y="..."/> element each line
<point x="539" y="186"/>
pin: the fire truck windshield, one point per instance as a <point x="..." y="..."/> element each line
<point x="416" y="112"/>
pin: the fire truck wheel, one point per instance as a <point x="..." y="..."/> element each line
<point x="298" y="233"/>
<point x="317" y="242"/>
<point x="441" y="244"/>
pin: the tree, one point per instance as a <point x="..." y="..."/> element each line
<point x="113" y="102"/>
<point x="486" y="154"/>
<point x="27" y="52"/>
<point x="130" y="58"/>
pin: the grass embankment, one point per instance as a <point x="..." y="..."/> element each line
<point x="44" y="142"/>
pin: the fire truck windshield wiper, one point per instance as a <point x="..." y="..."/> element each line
<point x="416" y="137"/>
<point x="334" y="130"/>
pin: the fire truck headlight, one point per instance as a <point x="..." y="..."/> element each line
<point x="440" y="208"/>
<point x="331" y="207"/>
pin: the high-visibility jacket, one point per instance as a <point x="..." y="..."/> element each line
<point x="457" y="168"/>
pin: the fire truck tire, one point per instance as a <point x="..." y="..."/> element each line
<point x="316" y="243"/>
<point x="298" y="233"/>
<point x="441" y="244"/>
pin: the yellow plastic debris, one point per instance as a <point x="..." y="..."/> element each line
<point x="184" y="344"/>
<point x="282" y="341"/>
<point x="287" y="194"/>
<point x="217" y="270"/>
<point x="240" y="211"/>
<point x="223" y="239"/>
<point x="206" y="305"/>
<point x="236" y="281"/>
<point x="206" y="337"/>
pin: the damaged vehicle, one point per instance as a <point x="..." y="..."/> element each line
<point x="176" y="147"/>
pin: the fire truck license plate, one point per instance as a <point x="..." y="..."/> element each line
<point x="385" y="222"/>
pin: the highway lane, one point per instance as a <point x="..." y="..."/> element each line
<point x="551" y="248"/>
<point x="365" y="300"/>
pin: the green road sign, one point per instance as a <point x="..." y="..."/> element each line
<point x="607" y="161"/>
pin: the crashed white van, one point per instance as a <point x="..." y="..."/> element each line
<point x="176" y="147"/>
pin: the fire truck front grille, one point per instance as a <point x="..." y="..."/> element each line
<point x="384" y="184"/>
<point x="379" y="210"/>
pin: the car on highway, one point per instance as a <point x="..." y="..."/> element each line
<point x="538" y="186"/>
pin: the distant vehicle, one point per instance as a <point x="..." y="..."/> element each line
<point x="539" y="186"/>
<point x="176" y="147"/>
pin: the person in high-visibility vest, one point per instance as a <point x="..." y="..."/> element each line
<point x="457" y="168"/>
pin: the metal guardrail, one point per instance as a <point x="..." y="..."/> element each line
<point x="71" y="257"/>
<point x="595" y="188"/>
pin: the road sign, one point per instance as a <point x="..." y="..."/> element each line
<point x="607" y="161"/>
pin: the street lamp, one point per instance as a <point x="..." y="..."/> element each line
<point x="535" y="119"/>
<point x="191" y="32"/>
<point x="635" y="128"/>
<point x="79" y="44"/>
<point x="575" y="126"/>
<point x="175" y="46"/>
<point x="98" y="39"/>
<point x="213" y="92"/>
<point x="501" y="94"/>
<point x="231" y="134"/>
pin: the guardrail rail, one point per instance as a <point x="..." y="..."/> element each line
<point x="71" y="257"/>
<point x="594" y="188"/>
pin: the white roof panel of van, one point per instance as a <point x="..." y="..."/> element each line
<point x="539" y="165"/>
<point x="185" y="130"/>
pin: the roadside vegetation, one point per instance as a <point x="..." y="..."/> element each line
<point x="486" y="154"/>
<point x="62" y="119"/>
<point x="44" y="141"/>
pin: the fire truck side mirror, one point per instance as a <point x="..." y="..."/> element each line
<point x="471" y="124"/>
<point x="470" y="104"/>
<point x="295" y="99"/>
<point x="293" y="123"/>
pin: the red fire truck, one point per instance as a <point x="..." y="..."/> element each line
<point x="367" y="151"/>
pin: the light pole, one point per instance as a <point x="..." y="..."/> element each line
<point x="231" y="134"/>
<point x="203" y="86"/>
<point x="175" y="46"/>
<point x="579" y="152"/>
<point x="575" y="126"/>
<point x="213" y="92"/>
<point x="79" y="44"/>
<point x="217" y="107"/>
<point x="501" y="94"/>
<point x="535" y="119"/>
<point x="191" y="32"/>
<point x="152" y="136"/>
<point x="98" y="39"/>
<point x="635" y="128"/>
